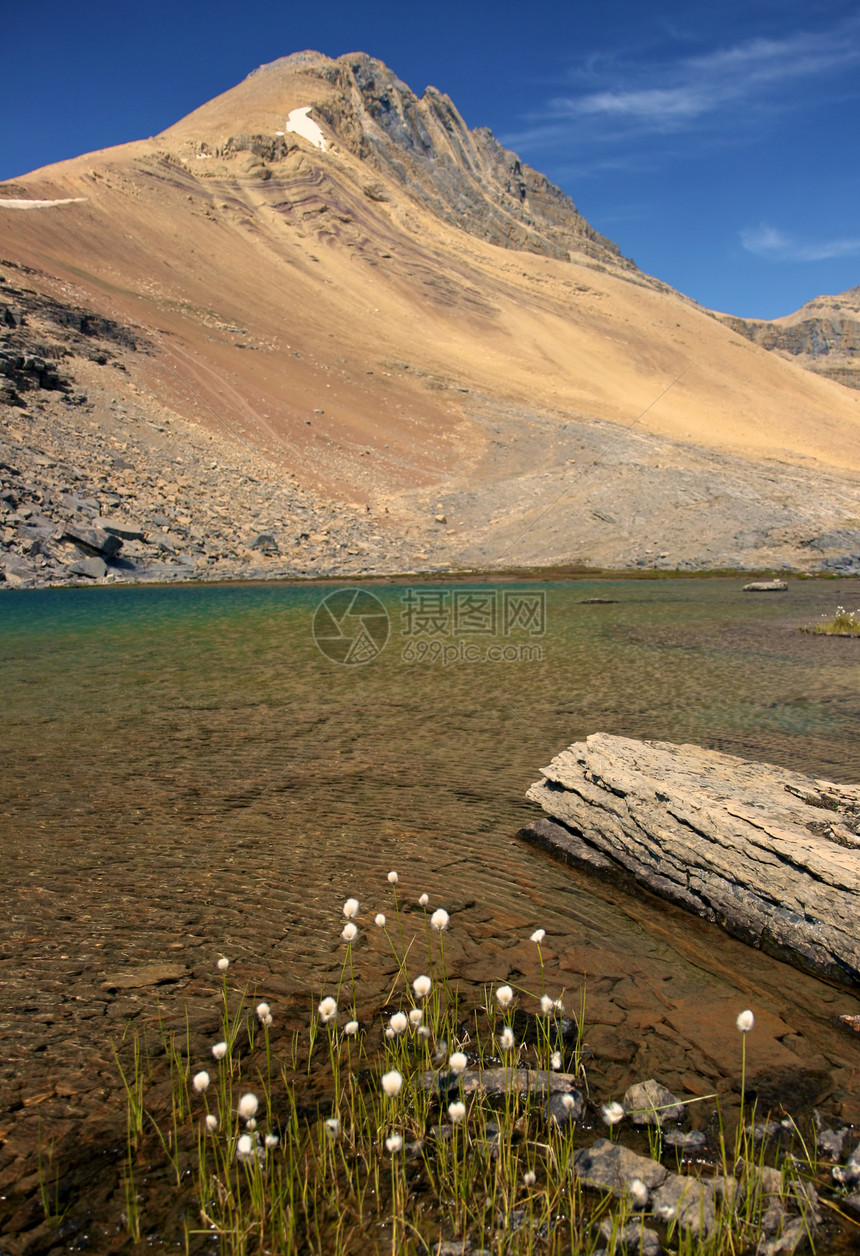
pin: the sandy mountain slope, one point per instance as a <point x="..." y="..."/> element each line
<point x="823" y="335"/>
<point x="397" y="318"/>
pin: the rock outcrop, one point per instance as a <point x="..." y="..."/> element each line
<point x="769" y="854"/>
<point x="823" y="336"/>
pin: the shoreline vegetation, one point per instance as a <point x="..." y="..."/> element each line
<point x="449" y="1124"/>
<point x="842" y="624"/>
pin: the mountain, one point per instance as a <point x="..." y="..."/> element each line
<point x="320" y="325"/>
<point x="823" y="336"/>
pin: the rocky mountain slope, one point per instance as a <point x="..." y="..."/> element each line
<point x="319" y="326"/>
<point x="823" y="336"/>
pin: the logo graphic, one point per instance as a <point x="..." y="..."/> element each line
<point x="351" y="626"/>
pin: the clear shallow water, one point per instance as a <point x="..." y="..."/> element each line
<point x="185" y="774"/>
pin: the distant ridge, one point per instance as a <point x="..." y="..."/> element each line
<point x="823" y="335"/>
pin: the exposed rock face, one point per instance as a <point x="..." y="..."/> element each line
<point x="770" y="855"/>
<point x="465" y="177"/>
<point x="823" y="335"/>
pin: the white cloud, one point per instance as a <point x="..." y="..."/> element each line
<point x="733" y="85"/>
<point x="767" y="241"/>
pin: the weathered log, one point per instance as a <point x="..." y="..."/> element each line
<point x="769" y="854"/>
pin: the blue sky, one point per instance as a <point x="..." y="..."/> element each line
<point x="717" y="144"/>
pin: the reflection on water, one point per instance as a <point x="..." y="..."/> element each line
<point x="186" y="774"/>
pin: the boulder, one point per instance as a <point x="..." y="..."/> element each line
<point x="122" y="528"/>
<point x="768" y="854"/>
<point x="608" y="1166"/>
<point x="649" y="1103"/>
<point x="93" y="540"/>
<point x="765" y="586"/>
<point x="93" y="568"/>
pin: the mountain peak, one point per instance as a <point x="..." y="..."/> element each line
<point x="421" y="145"/>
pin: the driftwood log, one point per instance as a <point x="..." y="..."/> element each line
<point x="770" y="855"/>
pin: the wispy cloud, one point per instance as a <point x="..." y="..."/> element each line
<point x="767" y="241"/>
<point x="615" y="99"/>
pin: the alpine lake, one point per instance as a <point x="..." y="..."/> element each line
<point x="200" y="771"/>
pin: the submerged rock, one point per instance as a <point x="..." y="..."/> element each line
<point x="741" y="844"/>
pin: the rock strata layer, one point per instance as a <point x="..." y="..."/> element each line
<point x="769" y="854"/>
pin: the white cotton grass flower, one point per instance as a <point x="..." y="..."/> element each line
<point x="251" y="1123"/>
<point x="558" y="1006"/>
<point x="268" y="1021"/>
<point x="530" y="1178"/>
<point x="456" y="1112"/>
<point x="263" y="1010"/>
<point x="350" y="908"/>
<point x="248" y="1105"/>
<point x="219" y="1050"/>
<point x="507" y="1041"/>
<point x="351" y="1028"/>
<point x="389" y="1033"/>
<point x="393" y="878"/>
<point x="398" y="1022"/>
<point x="639" y="1193"/>
<point x="504" y="996"/>
<point x="439" y="919"/>
<point x="379" y="920"/>
<point x="211" y="1122"/>
<point x="745" y="1022"/>
<point x="555" y="1060"/>
<point x="423" y="1031"/>
<point x="424" y="900"/>
<point x="415" y="1017"/>
<point x="394" y="1143"/>
<point x="327" y="1009"/>
<point x="271" y="1141"/>
<point x="349" y="932"/>
<point x="568" y="1102"/>
<point x="612" y="1113"/>
<point x="200" y="1081"/>
<point x="538" y="936"/>
<point x="223" y="964"/>
<point x="245" y="1145"/>
<point x="422" y="986"/>
<point x="546" y="1004"/>
<point x="391" y="1083"/>
<point x="332" y="1126"/>
<point x="457" y="1062"/>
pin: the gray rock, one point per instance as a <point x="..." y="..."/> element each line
<point x="689" y="1140"/>
<point x="765" y="586"/>
<point x="565" y="1107"/>
<point x="93" y="540"/>
<point x="830" y="1142"/>
<point x="610" y="1166"/>
<point x="500" y="1081"/>
<point x="92" y="568"/>
<point x="632" y="1238"/>
<point x="264" y="542"/>
<point x="548" y="835"/>
<point x="849" y="1173"/>
<point x="793" y="1234"/>
<point x="649" y="1103"/>
<point x="727" y="839"/>
<point x="125" y="529"/>
<point x="687" y="1201"/>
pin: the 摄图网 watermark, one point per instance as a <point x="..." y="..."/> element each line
<point x="437" y="625"/>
